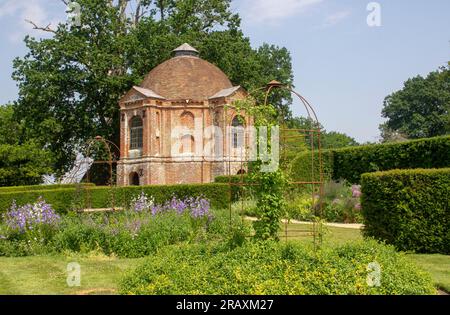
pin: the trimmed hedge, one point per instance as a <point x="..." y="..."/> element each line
<point x="350" y="163"/>
<point x="39" y="187"/>
<point x="64" y="199"/>
<point x="300" y="167"/>
<point x="408" y="208"/>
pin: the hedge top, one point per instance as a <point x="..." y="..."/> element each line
<point x="416" y="171"/>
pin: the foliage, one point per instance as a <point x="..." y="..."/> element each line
<point x="350" y="163"/>
<point x="10" y="129"/>
<point x="23" y="164"/>
<point x="305" y="167"/>
<point x="237" y="191"/>
<point x="328" y="140"/>
<point x="128" y="233"/>
<point x="38" y="187"/>
<point x="85" y="70"/>
<point x="340" y="203"/>
<point x="22" y="161"/>
<point x="421" y="108"/>
<point x="408" y="208"/>
<point x="270" y="203"/>
<point x="76" y="198"/>
<point x="28" y="228"/>
<point x="271" y="268"/>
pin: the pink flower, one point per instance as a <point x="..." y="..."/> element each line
<point x="356" y="191"/>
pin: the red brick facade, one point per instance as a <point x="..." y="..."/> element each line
<point x="178" y="103"/>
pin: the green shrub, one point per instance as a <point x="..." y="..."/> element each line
<point x="128" y="233"/>
<point x="408" y="208"/>
<point x="237" y="191"/>
<point x="66" y="199"/>
<point x="23" y="164"/>
<point x="301" y="168"/>
<point x="275" y="269"/>
<point x="349" y="163"/>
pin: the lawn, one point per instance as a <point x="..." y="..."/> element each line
<point x="100" y="274"/>
<point x="47" y="274"/>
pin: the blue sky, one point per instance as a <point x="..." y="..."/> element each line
<point x="341" y="65"/>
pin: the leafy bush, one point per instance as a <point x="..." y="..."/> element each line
<point x="340" y="202"/>
<point x="23" y="164"/>
<point x="275" y="268"/>
<point x="270" y="203"/>
<point x="237" y="191"/>
<point x="306" y="167"/>
<point x="66" y="199"/>
<point x="350" y="163"/>
<point x="132" y="233"/>
<point x="408" y="208"/>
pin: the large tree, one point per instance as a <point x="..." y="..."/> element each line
<point x="70" y="84"/>
<point x="22" y="161"/>
<point x="421" y="109"/>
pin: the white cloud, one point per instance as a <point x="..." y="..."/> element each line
<point x="20" y="10"/>
<point x="272" y="11"/>
<point x="336" y="17"/>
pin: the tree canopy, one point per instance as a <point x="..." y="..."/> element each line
<point x="70" y="84"/>
<point x="22" y="161"/>
<point x="420" y="109"/>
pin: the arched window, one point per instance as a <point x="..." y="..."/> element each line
<point x="136" y="132"/>
<point x="237" y="131"/>
<point x="187" y="144"/>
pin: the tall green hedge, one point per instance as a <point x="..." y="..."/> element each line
<point x="300" y="169"/>
<point x="408" y="208"/>
<point x="350" y="163"/>
<point x="64" y="199"/>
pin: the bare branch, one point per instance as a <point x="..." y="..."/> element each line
<point x="45" y="29"/>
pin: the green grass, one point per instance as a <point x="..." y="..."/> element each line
<point x="48" y="274"/>
<point x="100" y="274"/>
<point x="332" y="235"/>
<point x="437" y="265"/>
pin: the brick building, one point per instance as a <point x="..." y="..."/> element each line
<point x="166" y="124"/>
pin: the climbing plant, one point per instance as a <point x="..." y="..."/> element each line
<point x="269" y="188"/>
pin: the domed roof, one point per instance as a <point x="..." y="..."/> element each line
<point x="186" y="76"/>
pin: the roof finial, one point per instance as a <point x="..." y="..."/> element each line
<point x="185" y="50"/>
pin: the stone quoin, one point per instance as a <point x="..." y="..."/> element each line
<point x="188" y="95"/>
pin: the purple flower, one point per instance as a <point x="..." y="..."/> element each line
<point x="358" y="206"/>
<point x="142" y="203"/>
<point x="30" y="216"/>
